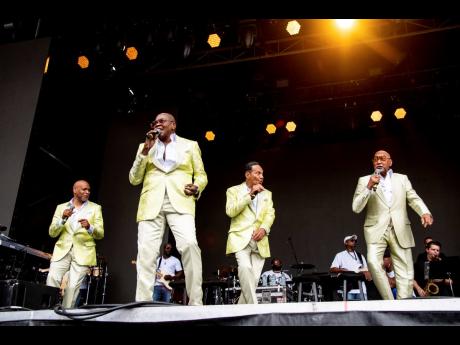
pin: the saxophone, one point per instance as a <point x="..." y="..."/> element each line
<point x="431" y="288"/>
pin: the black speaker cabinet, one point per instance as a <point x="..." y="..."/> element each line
<point x="26" y="294"/>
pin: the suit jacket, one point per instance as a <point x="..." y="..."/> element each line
<point x="189" y="168"/>
<point x="78" y="237"/>
<point x="379" y="212"/>
<point x="244" y="219"/>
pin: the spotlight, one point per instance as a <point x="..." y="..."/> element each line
<point x="291" y="126"/>
<point x="293" y="27"/>
<point x="83" y="62"/>
<point x="271" y="128"/>
<point x="400" y="113"/>
<point x="376" y="116"/>
<point x="210" y="135"/>
<point x="214" y="40"/>
<point x="131" y="53"/>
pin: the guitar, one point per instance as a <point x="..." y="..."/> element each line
<point x="159" y="277"/>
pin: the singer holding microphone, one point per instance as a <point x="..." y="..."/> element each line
<point x="173" y="176"/>
<point x="250" y="207"/>
<point x="77" y="223"/>
<point x="386" y="195"/>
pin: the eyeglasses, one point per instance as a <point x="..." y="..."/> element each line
<point x="160" y="121"/>
<point x="380" y="158"/>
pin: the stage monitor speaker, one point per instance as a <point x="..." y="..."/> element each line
<point x="28" y="295"/>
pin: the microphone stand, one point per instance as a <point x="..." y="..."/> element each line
<point x="450" y="284"/>
<point x="293" y="250"/>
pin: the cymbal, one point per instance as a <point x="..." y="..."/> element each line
<point x="303" y="266"/>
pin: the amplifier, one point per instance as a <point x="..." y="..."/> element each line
<point x="271" y="294"/>
<point x="26" y="294"/>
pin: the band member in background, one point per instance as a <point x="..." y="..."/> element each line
<point x="173" y="177"/>
<point x="250" y="207"/>
<point x="437" y="286"/>
<point x="169" y="269"/>
<point x="349" y="260"/>
<point x="78" y="223"/>
<point x="275" y="276"/>
<point x="386" y="195"/>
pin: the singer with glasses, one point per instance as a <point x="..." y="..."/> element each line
<point x="386" y="195"/>
<point x="173" y="177"/>
<point x="78" y="223"/>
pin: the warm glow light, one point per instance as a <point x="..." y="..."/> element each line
<point x="293" y="27"/>
<point x="376" y="116"/>
<point x="214" y="40"/>
<point x="210" y="135"/>
<point x="131" y="53"/>
<point x="46" y="65"/>
<point x="400" y="113"/>
<point x="290" y="126"/>
<point x="271" y="128"/>
<point x="345" y="24"/>
<point x="83" y="61"/>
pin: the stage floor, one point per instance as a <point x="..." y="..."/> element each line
<point x="415" y="312"/>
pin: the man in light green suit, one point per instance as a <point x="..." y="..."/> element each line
<point x="77" y="223"/>
<point x="386" y="194"/>
<point x="173" y="177"/>
<point x="250" y="207"/>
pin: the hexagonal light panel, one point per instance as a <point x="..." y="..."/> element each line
<point x="271" y="128"/>
<point x="290" y="126"/>
<point x="214" y="40"/>
<point x="210" y="135"/>
<point x="376" y="116"/>
<point x="83" y="61"/>
<point x="131" y="53"/>
<point x="400" y="113"/>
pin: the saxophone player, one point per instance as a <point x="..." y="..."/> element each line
<point x="423" y="285"/>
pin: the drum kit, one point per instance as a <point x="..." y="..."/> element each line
<point x="96" y="282"/>
<point x="226" y="289"/>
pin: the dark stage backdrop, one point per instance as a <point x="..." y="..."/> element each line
<point x="21" y="72"/>
<point x="312" y="183"/>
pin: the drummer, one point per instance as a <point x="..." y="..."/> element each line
<point x="276" y="276"/>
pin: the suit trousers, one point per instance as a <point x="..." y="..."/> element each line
<point x="402" y="262"/>
<point x="76" y="275"/>
<point x="150" y="236"/>
<point x="250" y="265"/>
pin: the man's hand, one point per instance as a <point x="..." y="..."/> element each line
<point x="373" y="180"/>
<point x="84" y="223"/>
<point x="149" y="142"/>
<point x="67" y="213"/>
<point x="259" y="234"/>
<point x="367" y="275"/>
<point x="168" y="277"/>
<point x="255" y="189"/>
<point x="427" y="220"/>
<point x="191" y="189"/>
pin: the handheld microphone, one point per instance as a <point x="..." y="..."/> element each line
<point x="377" y="171"/>
<point x="64" y="219"/>
<point x="156" y="131"/>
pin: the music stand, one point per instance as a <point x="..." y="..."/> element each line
<point x="445" y="269"/>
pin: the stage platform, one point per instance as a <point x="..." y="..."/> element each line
<point x="411" y="312"/>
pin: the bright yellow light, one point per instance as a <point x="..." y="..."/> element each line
<point x="345" y="24"/>
<point x="214" y="40"/>
<point x="131" y="53"/>
<point x="83" y="61"/>
<point x="376" y="116"/>
<point x="293" y="27"/>
<point x="400" y="113"/>
<point x="271" y="128"/>
<point x="46" y="65"/>
<point x="210" y="135"/>
<point x="290" y="126"/>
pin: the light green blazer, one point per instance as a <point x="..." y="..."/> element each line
<point x="244" y="220"/>
<point x="189" y="169"/>
<point x="82" y="242"/>
<point x="379" y="212"/>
